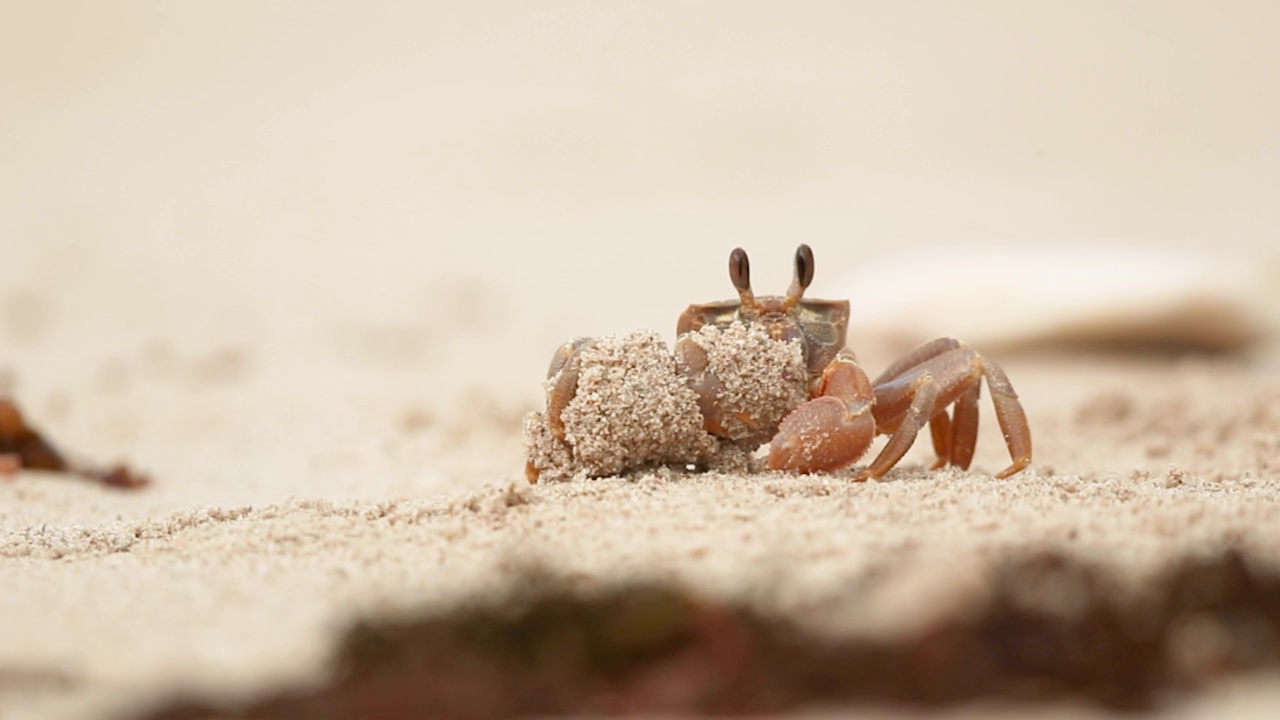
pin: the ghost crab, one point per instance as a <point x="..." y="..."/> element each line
<point x="845" y="411"/>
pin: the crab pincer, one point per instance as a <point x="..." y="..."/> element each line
<point x="834" y="429"/>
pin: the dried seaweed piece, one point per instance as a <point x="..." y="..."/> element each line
<point x="22" y="447"/>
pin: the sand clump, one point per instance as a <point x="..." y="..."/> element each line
<point x="763" y="380"/>
<point x="633" y="407"/>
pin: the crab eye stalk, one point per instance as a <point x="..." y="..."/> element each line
<point x="804" y="266"/>
<point x="740" y="274"/>
<point x="740" y="270"/>
<point x="804" y="276"/>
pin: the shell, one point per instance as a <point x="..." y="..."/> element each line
<point x="1096" y="295"/>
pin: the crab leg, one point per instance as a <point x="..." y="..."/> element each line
<point x="944" y="376"/>
<point x="924" y="353"/>
<point x="922" y="392"/>
<point x="832" y="430"/>
<point x="964" y="428"/>
<point x="954" y="438"/>
<point x="562" y="382"/>
<point x="1011" y="416"/>
<point x="693" y="361"/>
<point x="940" y="430"/>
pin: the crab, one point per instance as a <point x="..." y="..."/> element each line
<point x="23" y="447"/>
<point x="938" y="384"/>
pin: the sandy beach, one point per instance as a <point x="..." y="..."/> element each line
<point x="305" y="267"/>
<point x="114" y="598"/>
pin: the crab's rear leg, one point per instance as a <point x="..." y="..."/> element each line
<point x="940" y="431"/>
<point x="832" y="430"/>
<point x="923" y="388"/>
<point x="955" y="436"/>
<point x="1011" y="416"/>
<point x="942" y="428"/>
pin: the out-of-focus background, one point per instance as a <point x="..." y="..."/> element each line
<point x="433" y="195"/>
<point x="585" y="167"/>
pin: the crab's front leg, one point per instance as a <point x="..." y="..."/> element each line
<point x="562" y="382"/>
<point x="562" y="386"/>
<point x="832" y="430"/>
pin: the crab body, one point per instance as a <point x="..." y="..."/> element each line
<point x="838" y="410"/>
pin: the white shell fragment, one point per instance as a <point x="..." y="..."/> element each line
<point x="1077" y="294"/>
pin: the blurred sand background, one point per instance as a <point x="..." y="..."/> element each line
<point x="305" y="251"/>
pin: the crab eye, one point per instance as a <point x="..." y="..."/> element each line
<point x="804" y="265"/>
<point x="740" y="269"/>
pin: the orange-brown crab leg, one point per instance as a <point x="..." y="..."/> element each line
<point x="562" y="386"/>
<point x="562" y="382"/>
<point x="835" y="428"/>
<point x="832" y="430"/>
<point x="954" y="440"/>
<point x="940" y="432"/>
<point x="918" y="388"/>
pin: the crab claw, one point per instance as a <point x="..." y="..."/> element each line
<point x="831" y="431"/>
<point x="822" y="434"/>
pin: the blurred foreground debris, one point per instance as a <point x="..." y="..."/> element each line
<point x="1047" y="627"/>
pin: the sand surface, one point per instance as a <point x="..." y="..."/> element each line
<point x="217" y="581"/>
<point x="306" y="265"/>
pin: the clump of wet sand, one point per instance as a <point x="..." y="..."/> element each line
<point x="634" y="408"/>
